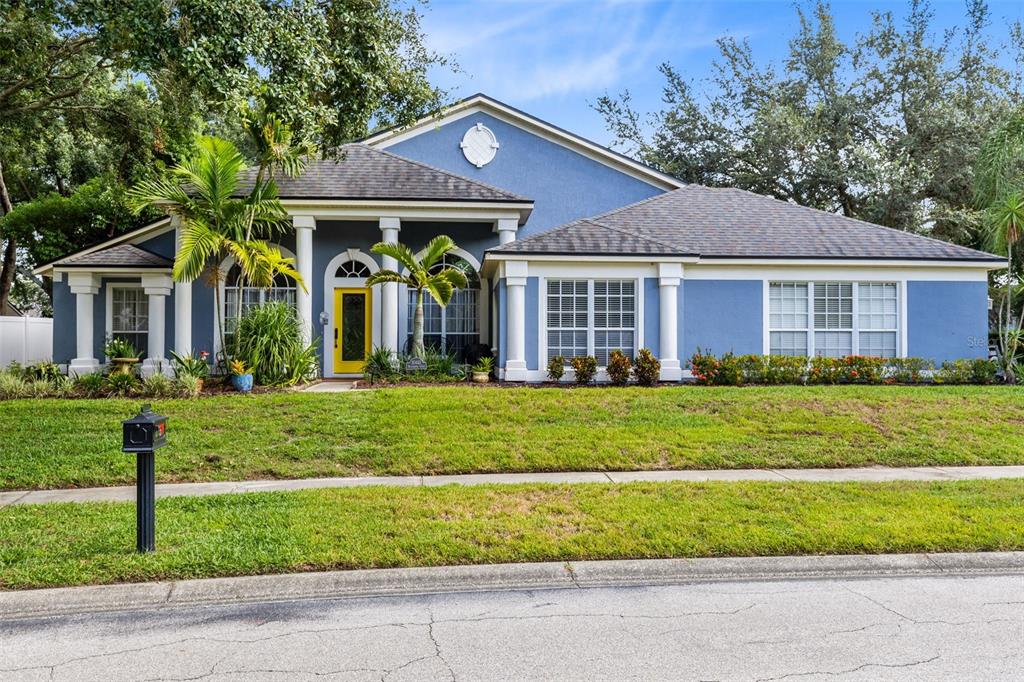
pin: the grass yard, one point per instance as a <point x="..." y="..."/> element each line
<point x="459" y="429"/>
<point x="70" y="544"/>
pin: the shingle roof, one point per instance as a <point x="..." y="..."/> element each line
<point x="362" y="172"/>
<point x="119" y="256"/>
<point x="732" y="223"/>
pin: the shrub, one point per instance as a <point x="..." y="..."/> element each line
<point x="967" y="371"/>
<point x="785" y="369"/>
<point x="730" y="372"/>
<point x="585" y="368"/>
<point x="121" y="385"/>
<point x="619" y="368"/>
<point x="157" y="386"/>
<point x="753" y="368"/>
<point x="38" y="389"/>
<point x="825" y="370"/>
<point x="62" y="387"/>
<point x="648" y="368"/>
<point x="862" y="369"/>
<point x="380" y="363"/>
<point x="12" y="385"/>
<point x="704" y="367"/>
<point x="186" y="386"/>
<point x="190" y="365"/>
<point x="269" y="339"/>
<point x="42" y="371"/>
<point x="556" y="368"/>
<point x="90" y="385"/>
<point x="908" y="370"/>
<point x="485" y="364"/>
<point x="302" y="364"/>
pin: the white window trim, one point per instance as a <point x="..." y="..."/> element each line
<point x="901" y="312"/>
<point x="542" y="317"/>
<point x="109" y="326"/>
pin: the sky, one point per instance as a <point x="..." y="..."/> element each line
<point x="554" y="58"/>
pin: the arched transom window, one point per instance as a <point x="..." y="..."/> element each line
<point x="236" y="293"/>
<point x="454" y="328"/>
<point x="352" y="268"/>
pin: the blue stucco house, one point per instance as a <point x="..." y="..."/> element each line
<point x="575" y="250"/>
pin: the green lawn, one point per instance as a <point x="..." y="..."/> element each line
<point x="460" y="429"/>
<point x="69" y="544"/>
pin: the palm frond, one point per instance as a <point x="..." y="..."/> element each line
<point x="441" y="290"/>
<point x="454" y="276"/>
<point x="199" y="243"/>
<point x="400" y="252"/>
<point x="388" y="276"/>
<point x="438" y="246"/>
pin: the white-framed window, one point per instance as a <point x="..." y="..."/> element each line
<point x="591" y="317"/>
<point x="567" y="318"/>
<point x="236" y="293"/>
<point x="833" y="319"/>
<point x="456" y="327"/>
<point x="129" y="316"/>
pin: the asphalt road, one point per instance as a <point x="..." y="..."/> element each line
<point x="913" y="628"/>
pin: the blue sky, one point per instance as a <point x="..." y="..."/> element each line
<point x="551" y="58"/>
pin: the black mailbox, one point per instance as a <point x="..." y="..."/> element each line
<point x="145" y="432"/>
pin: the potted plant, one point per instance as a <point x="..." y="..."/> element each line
<point x="122" y="354"/>
<point x="482" y="370"/>
<point x="241" y="376"/>
<point x="190" y="365"/>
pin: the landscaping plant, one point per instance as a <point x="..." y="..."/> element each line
<point x="269" y="339"/>
<point x="704" y="367"/>
<point x="619" y="368"/>
<point x="908" y="370"/>
<point x="158" y="386"/>
<point x="191" y="365"/>
<point x="648" y="368"/>
<point x="90" y="385"/>
<point x="585" y="367"/>
<point x="380" y="363"/>
<point x="965" y="371"/>
<point x="241" y="376"/>
<point x="121" y="385"/>
<point x="483" y="368"/>
<point x="556" y="368"/>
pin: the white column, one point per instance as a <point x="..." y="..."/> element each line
<point x="389" y="309"/>
<point x="182" y="303"/>
<point x="85" y="286"/>
<point x="515" y="326"/>
<point x="669" y="276"/>
<point x="157" y="288"/>
<point x="304" y="226"/>
<point x="506" y="229"/>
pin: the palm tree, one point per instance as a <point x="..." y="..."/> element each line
<point x="999" y="189"/>
<point x="423" y="276"/>
<point x="217" y="224"/>
<point x="276" y="146"/>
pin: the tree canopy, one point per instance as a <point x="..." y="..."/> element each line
<point x="882" y="127"/>
<point x="118" y="89"/>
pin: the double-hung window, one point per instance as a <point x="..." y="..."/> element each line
<point x="455" y="328"/>
<point x="591" y="317"/>
<point x="833" y="319"/>
<point x="129" y="316"/>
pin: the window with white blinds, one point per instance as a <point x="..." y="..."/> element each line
<point x="567" y="318"/>
<point x="833" y="319"/>
<point x="614" y="318"/>
<point x="591" y="317"/>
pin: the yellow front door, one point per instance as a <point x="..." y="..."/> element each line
<point x="352" y="332"/>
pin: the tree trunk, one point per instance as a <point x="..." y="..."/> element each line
<point x="1009" y="348"/>
<point x="11" y="252"/>
<point x="417" y="328"/>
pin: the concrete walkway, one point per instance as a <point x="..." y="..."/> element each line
<point x="867" y="474"/>
<point x="330" y="386"/>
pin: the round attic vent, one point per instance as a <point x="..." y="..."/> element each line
<point x="479" y="145"/>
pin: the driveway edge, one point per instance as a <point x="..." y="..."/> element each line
<point x="492" y="577"/>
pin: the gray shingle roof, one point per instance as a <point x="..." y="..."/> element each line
<point x="119" y="256"/>
<point x="363" y="172"/>
<point x="732" y="223"/>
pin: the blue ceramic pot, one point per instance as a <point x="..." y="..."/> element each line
<point x="242" y="382"/>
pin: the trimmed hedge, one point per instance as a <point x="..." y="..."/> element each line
<point x="739" y="370"/>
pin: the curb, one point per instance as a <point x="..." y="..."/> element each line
<point x="855" y="474"/>
<point x="393" y="582"/>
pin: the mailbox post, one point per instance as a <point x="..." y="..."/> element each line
<point x="145" y="433"/>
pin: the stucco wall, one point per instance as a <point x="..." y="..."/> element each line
<point x="947" y="320"/>
<point x="719" y="316"/>
<point x="652" y="316"/>
<point x="563" y="184"/>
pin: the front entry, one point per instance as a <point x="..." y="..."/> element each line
<point x="352" y="332"/>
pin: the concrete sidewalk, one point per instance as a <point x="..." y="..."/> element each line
<point x="867" y="474"/>
<point x="493" y="577"/>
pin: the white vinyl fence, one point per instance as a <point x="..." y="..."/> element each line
<point x="25" y="340"/>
